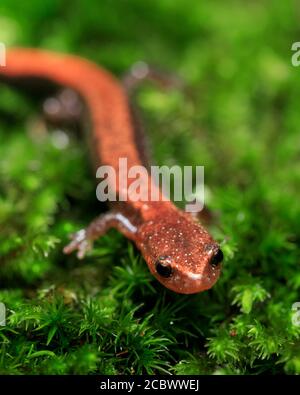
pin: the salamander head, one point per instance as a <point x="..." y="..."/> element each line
<point x="180" y="253"/>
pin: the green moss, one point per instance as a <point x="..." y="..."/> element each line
<point x="240" y="120"/>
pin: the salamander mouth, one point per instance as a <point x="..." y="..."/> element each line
<point x="185" y="282"/>
<point x="195" y="283"/>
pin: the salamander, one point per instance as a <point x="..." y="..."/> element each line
<point x="178" y="250"/>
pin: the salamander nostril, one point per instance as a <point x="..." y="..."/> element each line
<point x="217" y="258"/>
<point x="163" y="267"/>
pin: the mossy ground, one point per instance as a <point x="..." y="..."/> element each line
<point x="107" y="314"/>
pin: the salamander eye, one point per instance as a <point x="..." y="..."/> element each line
<point x="163" y="266"/>
<point x="217" y="258"/>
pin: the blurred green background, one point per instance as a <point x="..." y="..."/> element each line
<point x="240" y="120"/>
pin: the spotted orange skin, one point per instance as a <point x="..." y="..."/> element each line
<point x="162" y="230"/>
<point x="186" y="246"/>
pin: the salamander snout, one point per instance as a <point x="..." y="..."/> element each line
<point x="180" y="253"/>
<point x="184" y="272"/>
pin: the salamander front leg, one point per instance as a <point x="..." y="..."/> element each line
<point x="82" y="241"/>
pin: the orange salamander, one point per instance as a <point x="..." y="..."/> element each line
<point x="178" y="250"/>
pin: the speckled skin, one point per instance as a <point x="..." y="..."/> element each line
<point x="187" y="246"/>
<point x="163" y="233"/>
